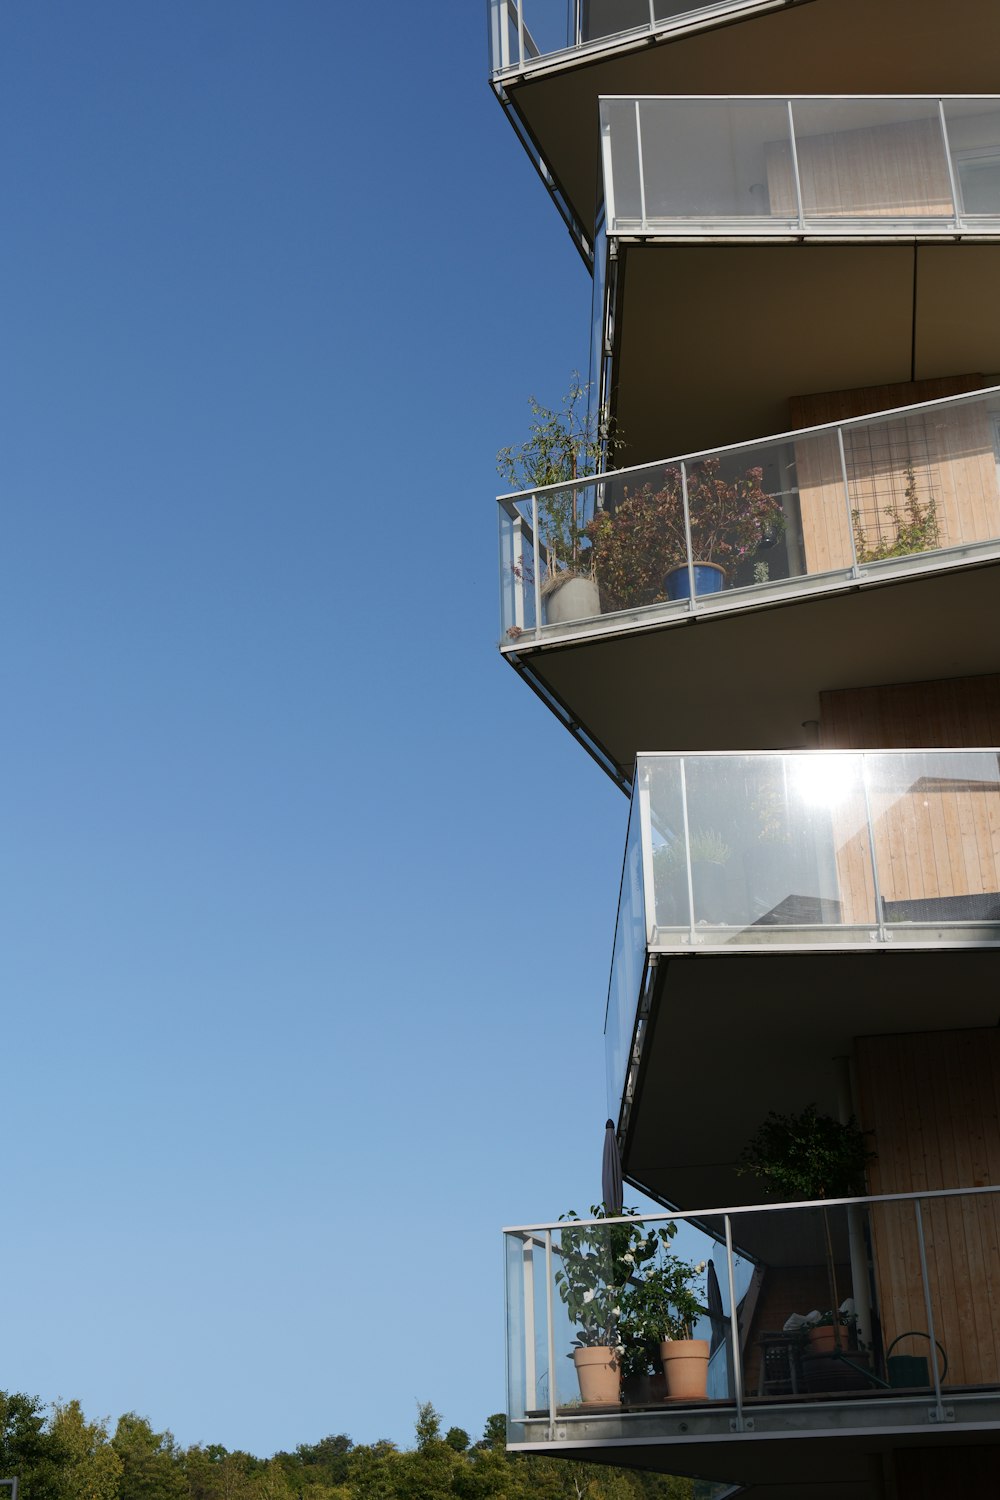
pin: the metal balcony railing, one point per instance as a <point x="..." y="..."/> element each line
<point x="817" y="509"/>
<point x="900" y="1285"/>
<point x="802" y="851"/>
<point x="527" y="34"/>
<point x="828" y="166"/>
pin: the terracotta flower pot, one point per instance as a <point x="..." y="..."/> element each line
<point x="822" y="1341"/>
<point x="685" y="1364"/>
<point x="599" y="1375"/>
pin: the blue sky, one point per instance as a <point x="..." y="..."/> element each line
<point x="307" y="902"/>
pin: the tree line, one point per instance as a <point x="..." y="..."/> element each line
<point x="57" y="1454"/>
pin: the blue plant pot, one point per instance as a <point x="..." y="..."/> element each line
<point x="709" y="578"/>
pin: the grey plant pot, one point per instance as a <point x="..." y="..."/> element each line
<point x="571" y="598"/>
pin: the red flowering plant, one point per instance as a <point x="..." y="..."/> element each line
<point x="635" y="545"/>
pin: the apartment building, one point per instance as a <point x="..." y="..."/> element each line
<point x="778" y="631"/>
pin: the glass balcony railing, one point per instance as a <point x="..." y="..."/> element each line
<point x="815" y="509"/>
<point x="802" y="850"/>
<point x="826" y="166"/>
<point x="738" y="1314"/>
<point x="526" y="33"/>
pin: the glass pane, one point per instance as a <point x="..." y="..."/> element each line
<point x="608" y="17"/>
<point x="740" y="507"/>
<point x="709" y="158"/>
<point x="628" y="966"/>
<point x="936" y="821"/>
<point x="974" y="139"/>
<point x="621" y="161"/>
<point x="775" y="843"/>
<point x="863" y="158"/>
<point x="517" y="572"/>
<point x="548" y="27"/>
<point x="812" y="1327"/>
<point x="568" y="589"/>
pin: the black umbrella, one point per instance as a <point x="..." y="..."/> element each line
<point x="611" y="1173"/>
<point x="713" y="1301"/>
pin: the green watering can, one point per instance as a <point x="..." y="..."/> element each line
<point x="911" y="1369"/>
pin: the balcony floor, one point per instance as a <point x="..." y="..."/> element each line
<point x="781" y="1450"/>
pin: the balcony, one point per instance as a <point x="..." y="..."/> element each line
<point x="835" y="167"/>
<point x="760" y="249"/>
<point x="551" y="62"/>
<point x="761" y="898"/>
<point x="777" y="550"/>
<point x="914" y="1362"/>
<point x="539" y="35"/>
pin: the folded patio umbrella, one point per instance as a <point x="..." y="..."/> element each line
<point x="713" y="1301"/>
<point x="611" y="1173"/>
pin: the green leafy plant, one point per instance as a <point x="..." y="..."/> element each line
<point x="597" y="1263"/>
<point x="807" y="1155"/>
<point x="913" y="527"/>
<point x="562" y="445"/>
<point x="635" y="545"/>
<point x="663" y="1303"/>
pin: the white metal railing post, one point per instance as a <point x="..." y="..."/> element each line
<point x="646" y="856"/>
<point x="520" y="33"/>
<point x="551" y="1336"/>
<point x="528" y="1299"/>
<point x="642" y="175"/>
<point x="609" y="178"/>
<point x="687" y="852"/>
<point x="876" y="884"/>
<point x="955" y="199"/>
<point x="855" y="570"/>
<point x="652" y="15"/>
<point x="795" y="167"/>
<point x="501" y="33"/>
<point x="734" y="1325"/>
<point x="538" y="562"/>
<point x="939" y="1415"/>
<point x="517" y="565"/>
<point x="692" y="591"/>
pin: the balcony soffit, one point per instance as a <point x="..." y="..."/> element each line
<point x="764" y="1031"/>
<point x="713" y="340"/>
<point x="750" y="679"/>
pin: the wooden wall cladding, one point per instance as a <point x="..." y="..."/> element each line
<point x="896" y="170"/>
<point x="949" y="460"/>
<point x="952" y="713"/>
<point x="933" y="1102"/>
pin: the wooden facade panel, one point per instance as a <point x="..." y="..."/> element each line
<point x="949" y="460"/>
<point x="951" y="713"/>
<point x="894" y="170"/>
<point x="931" y="1101"/>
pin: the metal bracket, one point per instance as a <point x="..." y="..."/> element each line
<point x="741" y="1424"/>
<point x="946" y="1414"/>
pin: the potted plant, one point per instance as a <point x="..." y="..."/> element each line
<point x="660" y="1309"/>
<point x="831" y="1330"/>
<point x="810" y="1155"/>
<point x="597" y="1262"/>
<point x="708" y="854"/>
<point x="913" y="527"/>
<point x="563" y="445"/>
<point x="639" y="550"/>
